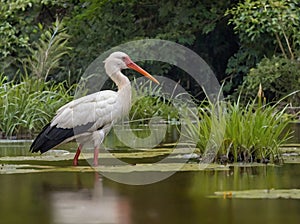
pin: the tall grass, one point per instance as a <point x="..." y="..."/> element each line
<point x="30" y="102"/>
<point x="28" y="105"/>
<point x="248" y="133"/>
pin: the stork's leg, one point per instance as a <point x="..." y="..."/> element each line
<point x="75" y="160"/>
<point x="96" y="154"/>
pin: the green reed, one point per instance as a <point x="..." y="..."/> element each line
<point x="28" y="105"/>
<point x="248" y="133"/>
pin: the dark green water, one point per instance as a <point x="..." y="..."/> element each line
<point x="182" y="198"/>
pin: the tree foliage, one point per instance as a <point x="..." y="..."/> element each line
<point x="265" y="28"/>
<point x="110" y="23"/>
<point x="94" y="26"/>
<point x="47" y="52"/>
<point x="274" y="21"/>
<point x="278" y="76"/>
<point x="19" y="23"/>
<point x="97" y="25"/>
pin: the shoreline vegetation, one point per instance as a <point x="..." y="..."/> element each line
<point x="43" y="56"/>
<point x="251" y="132"/>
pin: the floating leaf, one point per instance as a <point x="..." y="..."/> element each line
<point x="260" y="194"/>
<point x="159" y="167"/>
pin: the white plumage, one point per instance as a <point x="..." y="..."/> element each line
<point x="91" y="117"/>
<point x="91" y="108"/>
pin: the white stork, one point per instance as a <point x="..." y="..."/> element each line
<point x="91" y="117"/>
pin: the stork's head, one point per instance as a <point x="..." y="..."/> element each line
<point x="119" y="60"/>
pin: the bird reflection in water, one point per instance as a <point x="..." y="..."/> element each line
<point x="98" y="205"/>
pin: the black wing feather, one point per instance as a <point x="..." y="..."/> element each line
<point x="52" y="136"/>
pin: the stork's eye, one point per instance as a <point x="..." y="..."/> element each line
<point x="124" y="58"/>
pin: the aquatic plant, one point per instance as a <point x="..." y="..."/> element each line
<point x="28" y="105"/>
<point x="157" y="101"/>
<point x="244" y="133"/>
<point x="29" y="101"/>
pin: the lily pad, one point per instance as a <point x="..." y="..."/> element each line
<point x="38" y="158"/>
<point x="290" y="149"/>
<point x="160" y="167"/>
<point x="291" y="159"/>
<point x="291" y="154"/>
<point x="59" y="155"/>
<point x="23" y="168"/>
<point x="142" y="160"/>
<point x="260" y="194"/>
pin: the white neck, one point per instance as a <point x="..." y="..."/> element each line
<point x="124" y="91"/>
<point x="120" y="80"/>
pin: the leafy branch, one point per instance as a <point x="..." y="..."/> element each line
<point x="253" y="20"/>
<point x="47" y="53"/>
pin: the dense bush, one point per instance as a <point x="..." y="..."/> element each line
<point x="98" y="25"/>
<point x="190" y="23"/>
<point x="266" y="22"/>
<point x="151" y="100"/>
<point x="28" y="102"/>
<point x="278" y="76"/>
<point x="20" y="25"/>
<point x="265" y="28"/>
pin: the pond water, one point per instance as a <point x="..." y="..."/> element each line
<point x="295" y="128"/>
<point x="182" y="198"/>
<point x="185" y="197"/>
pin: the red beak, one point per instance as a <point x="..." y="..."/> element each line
<point x="132" y="65"/>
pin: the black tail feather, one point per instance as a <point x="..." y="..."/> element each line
<point x="50" y="137"/>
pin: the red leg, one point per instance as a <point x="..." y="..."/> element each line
<point x="96" y="153"/>
<point x="75" y="160"/>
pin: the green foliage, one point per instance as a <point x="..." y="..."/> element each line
<point x="47" y="52"/>
<point x="20" y="27"/>
<point x="278" y="76"/>
<point x="265" y="28"/>
<point x="251" y="133"/>
<point x="239" y="65"/>
<point x="30" y="102"/>
<point x="29" y="105"/>
<point x="110" y="23"/>
<point x="148" y="107"/>
<point x="97" y="25"/>
<point x="268" y="20"/>
<point x="149" y="100"/>
<point x="18" y="23"/>
<point x="10" y="35"/>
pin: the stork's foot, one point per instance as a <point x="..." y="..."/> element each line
<point x="75" y="162"/>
